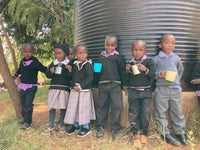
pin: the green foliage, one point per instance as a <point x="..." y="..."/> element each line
<point x="38" y="22"/>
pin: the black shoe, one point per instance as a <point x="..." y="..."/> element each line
<point x="21" y="122"/>
<point x="99" y="132"/>
<point x="26" y="126"/>
<point x="183" y="139"/>
<point x="115" y="134"/>
<point x="72" y="130"/>
<point x="84" y="132"/>
<point x="170" y="139"/>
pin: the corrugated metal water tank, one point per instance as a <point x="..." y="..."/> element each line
<point x="140" y="19"/>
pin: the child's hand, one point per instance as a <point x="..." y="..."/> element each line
<point x="162" y="74"/>
<point x="69" y="68"/>
<point x="125" y="89"/>
<point x="14" y="77"/>
<point x="197" y="81"/>
<point x="52" y="70"/>
<point x="76" y="88"/>
<point x="128" y="67"/>
<point x="141" y="67"/>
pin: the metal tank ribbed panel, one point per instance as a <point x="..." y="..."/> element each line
<point x="140" y="19"/>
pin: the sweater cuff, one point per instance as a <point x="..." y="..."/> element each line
<point x="16" y="74"/>
<point x="147" y="71"/>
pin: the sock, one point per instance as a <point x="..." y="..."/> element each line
<point x="86" y="126"/>
<point x="76" y="124"/>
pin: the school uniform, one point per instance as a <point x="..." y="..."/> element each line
<point x="80" y="107"/>
<point x="140" y="95"/>
<point x="28" y="69"/>
<point x="109" y="89"/>
<point x="58" y="90"/>
<point x="168" y="94"/>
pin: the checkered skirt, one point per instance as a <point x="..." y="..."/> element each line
<point x="57" y="99"/>
<point x="80" y="108"/>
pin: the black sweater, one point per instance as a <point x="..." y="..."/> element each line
<point x="59" y="81"/>
<point x="142" y="80"/>
<point x="82" y="74"/>
<point x="29" y="73"/>
<point x="196" y="75"/>
<point x="112" y="68"/>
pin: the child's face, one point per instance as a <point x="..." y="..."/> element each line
<point x="81" y="53"/>
<point x="27" y="52"/>
<point x="59" y="54"/>
<point x="110" y="45"/>
<point x="138" y="50"/>
<point x="167" y="44"/>
<point x="71" y="54"/>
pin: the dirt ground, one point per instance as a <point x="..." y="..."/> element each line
<point x="40" y="120"/>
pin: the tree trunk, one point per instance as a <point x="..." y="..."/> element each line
<point x="12" y="51"/>
<point x="9" y="82"/>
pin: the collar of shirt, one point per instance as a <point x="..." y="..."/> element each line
<point x="27" y="63"/>
<point x="65" y="62"/>
<point x="114" y="52"/>
<point x="143" y="58"/>
<point x="162" y="55"/>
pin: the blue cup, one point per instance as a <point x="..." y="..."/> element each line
<point x="97" y="67"/>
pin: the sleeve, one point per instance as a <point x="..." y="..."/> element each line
<point x="18" y="71"/>
<point x="121" y="69"/>
<point x="126" y="77"/>
<point x="48" y="72"/>
<point x="195" y="72"/>
<point x="150" y="72"/>
<point x="180" y="69"/>
<point x="88" y="72"/>
<point x="41" y="67"/>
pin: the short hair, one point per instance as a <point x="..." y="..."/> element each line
<point x="137" y="41"/>
<point x="111" y="36"/>
<point x="165" y="35"/>
<point x="29" y="46"/>
<point x="79" y="45"/>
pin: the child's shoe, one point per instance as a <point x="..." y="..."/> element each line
<point x="115" y="134"/>
<point x="136" y="141"/>
<point x="143" y="139"/>
<point x="21" y="122"/>
<point x="72" y="130"/>
<point x="83" y="132"/>
<point x="61" y="129"/>
<point x="26" y="126"/>
<point x="57" y="121"/>
<point x="99" y="132"/>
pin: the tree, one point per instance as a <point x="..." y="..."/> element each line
<point x="9" y="82"/>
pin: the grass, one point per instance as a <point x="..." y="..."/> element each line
<point x="35" y="138"/>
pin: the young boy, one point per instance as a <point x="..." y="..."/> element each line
<point x="168" y="92"/>
<point x="109" y="88"/>
<point x="140" y="93"/>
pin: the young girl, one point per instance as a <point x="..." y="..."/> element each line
<point x="28" y="69"/>
<point x="140" y="93"/>
<point x="80" y="108"/>
<point x="169" y="70"/>
<point x="60" y="73"/>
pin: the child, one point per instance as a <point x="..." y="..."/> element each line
<point x="195" y="79"/>
<point x="28" y="69"/>
<point x="140" y="93"/>
<point x="80" y="108"/>
<point x="71" y="59"/>
<point x="109" y="88"/>
<point x="168" y="93"/>
<point x="59" y="88"/>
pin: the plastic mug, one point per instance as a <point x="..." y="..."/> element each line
<point x="135" y="70"/>
<point x="97" y="67"/>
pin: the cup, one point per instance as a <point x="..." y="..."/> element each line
<point x="170" y="76"/>
<point x="97" y="67"/>
<point x="58" y="70"/>
<point x="135" y="69"/>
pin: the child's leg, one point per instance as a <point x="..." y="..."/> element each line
<point x="62" y="116"/>
<point x="22" y="99"/>
<point x="175" y="111"/>
<point x="116" y="104"/>
<point x="52" y="114"/>
<point x="28" y="105"/>
<point x="102" y="105"/>
<point x="134" y="110"/>
<point x="145" y="111"/>
<point x="198" y="99"/>
<point x="162" y="94"/>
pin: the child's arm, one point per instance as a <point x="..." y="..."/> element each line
<point x="180" y="69"/>
<point x="121" y="68"/>
<point x="149" y="69"/>
<point x="195" y="76"/>
<point x="50" y="71"/>
<point x="41" y="67"/>
<point x="126" y="78"/>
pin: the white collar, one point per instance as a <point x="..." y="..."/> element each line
<point x="65" y="62"/>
